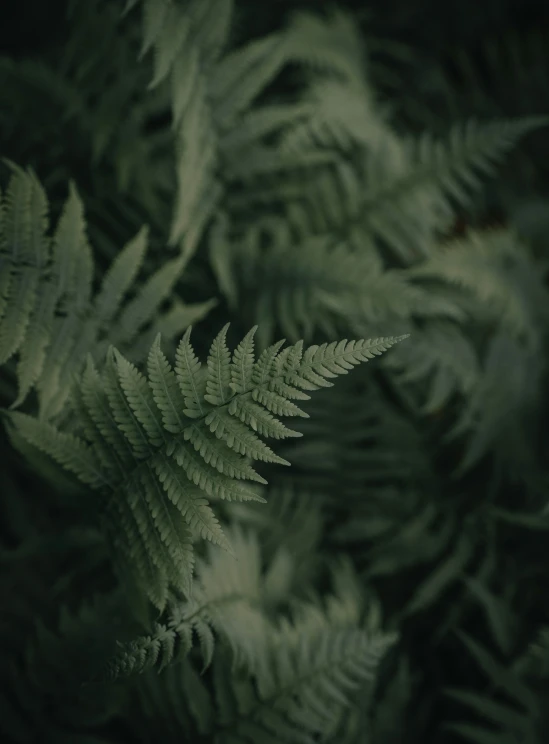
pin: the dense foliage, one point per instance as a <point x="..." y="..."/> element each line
<point x="175" y="199"/>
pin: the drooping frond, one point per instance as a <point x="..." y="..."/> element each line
<point x="163" y="443"/>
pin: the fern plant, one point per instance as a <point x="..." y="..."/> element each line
<point x="157" y="446"/>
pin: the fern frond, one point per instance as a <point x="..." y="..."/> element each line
<point x="120" y="277"/>
<point x="444" y="358"/>
<point x="405" y="185"/>
<point x="448" y="167"/>
<point x="497" y="411"/>
<point x="489" y="265"/>
<point x="227" y="598"/>
<point x="318" y="284"/>
<point x="288" y="676"/>
<point x="300" y="690"/>
<point x="186" y="41"/>
<point x="129" y="433"/>
<point x="69" y="451"/>
<point x="330" y="44"/>
<point x="48" y="316"/>
<point x="242" y="74"/>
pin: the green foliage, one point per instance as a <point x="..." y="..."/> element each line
<point x="48" y="315"/>
<point x="157" y="446"/>
<point x="162" y="579"/>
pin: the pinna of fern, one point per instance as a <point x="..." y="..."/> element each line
<point x="157" y="446"/>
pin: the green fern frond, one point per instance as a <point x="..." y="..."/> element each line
<point x="300" y="690"/>
<point x="156" y="479"/>
<point x="288" y="675"/>
<point x="489" y="266"/>
<point x="444" y="363"/>
<point x="227" y="597"/>
<point x="289" y="526"/>
<point x="185" y="45"/>
<point x="212" y="94"/>
<point x="331" y="44"/>
<point x="317" y="284"/>
<point x="47" y="314"/>
<point x="497" y="410"/>
<point x="405" y="186"/>
<point x="448" y="167"/>
<point x="242" y="74"/>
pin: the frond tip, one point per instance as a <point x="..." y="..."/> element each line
<point x="158" y="445"/>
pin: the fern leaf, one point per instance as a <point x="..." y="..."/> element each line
<point x="214" y="484"/>
<point x="47" y="314"/>
<point x="223" y="458"/>
<point x="239" y="437"/>
<point x="243" y="74"/>
<point x="171" y="37"/>
<point x="144" y="307"/>
<point x="154" y="19"/>
<point x="133" y="425"/>
<point x="140" y="397"/>
<point x="219" y="372"/>
<point x="165" y="389"/>
<point x="172" y="528"/>
<point x="242" y="363"/>
<point x="120" y="277"/>
<point x="33" y="354"/>
<point x="126" y="419"/>
<point x="69" y="451"/>
<point x="190" y="502"/>
<point x="260" y="420"/>
<point x="94" y="397"/>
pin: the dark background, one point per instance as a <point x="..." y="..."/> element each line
<point x="29" y="26"/>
